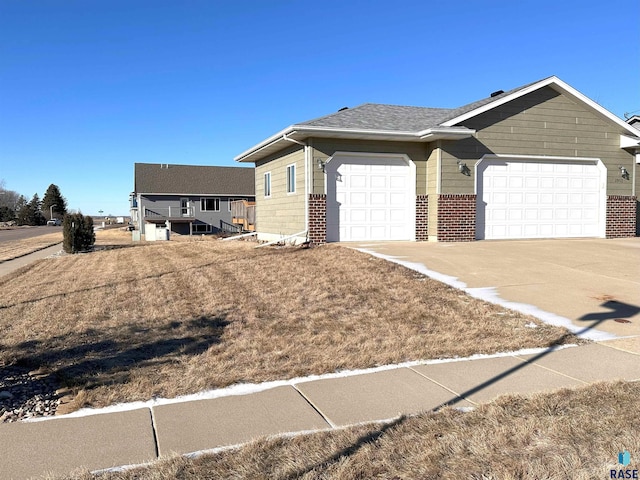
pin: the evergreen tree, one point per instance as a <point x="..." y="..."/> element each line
<point x="7" y="214"/>
<point x="30" y="213"/>
<point x="78" y="233"/>
<point x="36" y="206"/>
<point x="53" y="197"/>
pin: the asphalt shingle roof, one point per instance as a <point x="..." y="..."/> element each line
<point x="193" y="179"/>
<point x="374" y="116"/>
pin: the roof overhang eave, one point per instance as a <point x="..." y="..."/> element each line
<point x="301" y="132"/>
<point x="446" y="133"/>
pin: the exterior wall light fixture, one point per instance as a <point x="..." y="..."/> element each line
<point x="624" y="173"/>
<point x="463" y="169"/>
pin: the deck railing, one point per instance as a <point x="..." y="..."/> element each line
<point x="243" y="213"/>
<point x="168" y="212"/>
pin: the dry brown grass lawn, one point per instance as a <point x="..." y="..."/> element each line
<point x="165" y="319"/>
<point x="567" y="434"/>
<point x="14" y="249"/>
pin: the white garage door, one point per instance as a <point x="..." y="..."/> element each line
<point x="370" y="198"/>
<point x="533" y="199"/>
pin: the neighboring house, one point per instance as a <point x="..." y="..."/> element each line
<point x="634" y="121"/>
<point x="539" y="161"/>
<point x="188" y="198"/>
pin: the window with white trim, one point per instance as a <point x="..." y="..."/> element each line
<point x="201" y="228"/>
<point x="291" y="178"/>
<point x="267" y="184"/>
<point x="209" y="204"/>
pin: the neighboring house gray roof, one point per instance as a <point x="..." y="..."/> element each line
<point x="193" y="179"/>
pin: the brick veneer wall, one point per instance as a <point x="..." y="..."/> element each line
<point x="456" y="218"/>
<point x="422" y="218"/>
<point x="621" y="216"/>
<point x="318" y="218"/>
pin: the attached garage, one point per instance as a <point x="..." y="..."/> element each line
<point x="540" y="198"/>
<point x="370" y="197"/>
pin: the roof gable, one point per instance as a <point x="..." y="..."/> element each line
<point x="193" y="179"/>
<point x="553" y="82"/>
<point x="418" y="124"/>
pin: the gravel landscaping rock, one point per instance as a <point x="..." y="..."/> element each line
<point x="25" y="394"/>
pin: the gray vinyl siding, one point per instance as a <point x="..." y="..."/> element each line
<point x="282" y="213"/>
<point x="541" y="123"/>
<point x="324" y="148"/>
<point x="161" y="203"/>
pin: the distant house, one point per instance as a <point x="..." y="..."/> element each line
<point x="634" y="121"/>
<point x="538" y="161"/>
<point x="188" y="198"/>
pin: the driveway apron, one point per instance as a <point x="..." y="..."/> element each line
<point x="594" y="283"/>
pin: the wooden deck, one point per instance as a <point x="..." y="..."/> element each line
<point x="243" y="213"/>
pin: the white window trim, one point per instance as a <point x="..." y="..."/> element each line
<point x="293" y="167"/>
<point x="267" y="183"/>
<point x="209" y="198"/>
<point x="207" y="226"/>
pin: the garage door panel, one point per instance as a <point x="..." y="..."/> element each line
<point x="378" y="216"/>
<point x="378" y="198"/>
<point x="357" y="181"/>
<point x="374" y="200"/>
<point x="529" y="199"/>
<point x="396" y="181"/>
<point x="378" y="181"/>
<point x="357" y="198"/>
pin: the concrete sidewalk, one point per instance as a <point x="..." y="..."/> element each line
<point x="12" y="265"/>
<point x="140" y="435"/>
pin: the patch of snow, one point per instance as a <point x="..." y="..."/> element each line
<point x="489" y="294"/>
<point x="249" y="388"/>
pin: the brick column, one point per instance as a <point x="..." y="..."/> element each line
<point x="318" y="218"/>
<point x="456" y="218"/>
<point x="422" y="218"/>
<point x="621" y="216"/>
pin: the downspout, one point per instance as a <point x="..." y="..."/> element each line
<point x="307" y="176"/>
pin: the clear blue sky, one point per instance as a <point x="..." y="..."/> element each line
<point x="88" y="87"/>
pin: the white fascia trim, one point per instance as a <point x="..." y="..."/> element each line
<point x="201" y="194"/>
<point x="557" y="85"/>
<point x="285" y="135"/>
<point x="281" y="135"/>
<point x="546" y="158"/>
<point x="446" y="133"/>
<point x="629" y="142"/>
<point x="353" y="131"/>
<point x="341" y="153"/>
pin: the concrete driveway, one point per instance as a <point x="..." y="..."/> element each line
<point x="595" y="283"/>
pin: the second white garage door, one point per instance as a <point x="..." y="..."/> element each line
<point x="539" y="199"/>
<point x="370" y="198"/>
